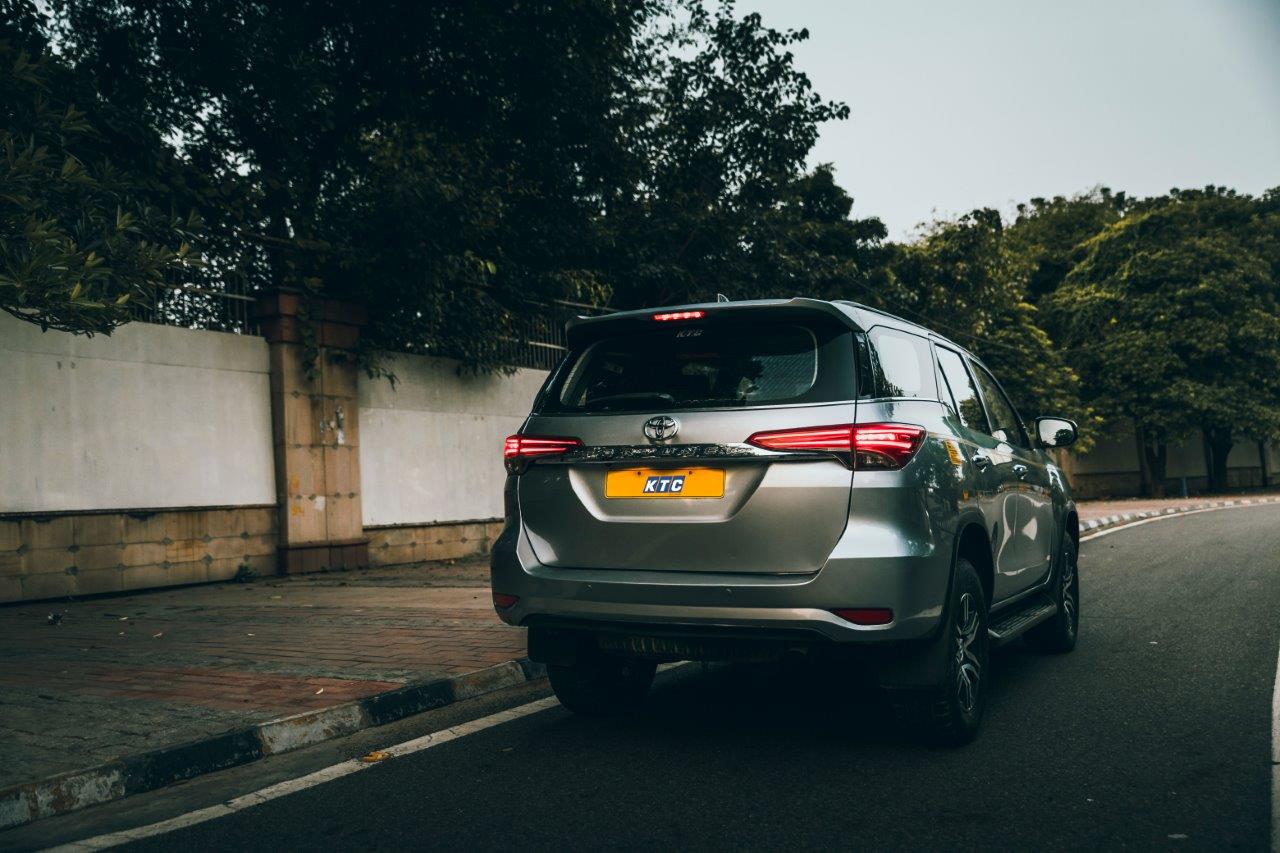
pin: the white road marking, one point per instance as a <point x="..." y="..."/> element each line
<point x="311" y="780"/>
<point x="1275" y="761"/>
<point x="355" y="765"/>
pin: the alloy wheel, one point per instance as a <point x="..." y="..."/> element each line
<point x="1069" y="605"/>
<point x="968" y="666"/>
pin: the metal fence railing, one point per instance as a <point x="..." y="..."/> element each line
<point x="535" y="340"/>
<point x="538" y="339"/>
<point x="229" y="309"/>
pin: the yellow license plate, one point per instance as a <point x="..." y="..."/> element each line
<point x="665" y="483"/>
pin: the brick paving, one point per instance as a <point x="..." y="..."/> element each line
<point x="122" y="675"/>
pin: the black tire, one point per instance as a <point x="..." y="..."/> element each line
<point x="951" y="713"/>
<point x="600" y="686"/>
<point x="1058" y="634"/>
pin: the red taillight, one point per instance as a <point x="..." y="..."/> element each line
<point x="836" y="438"/>
<point x="872" y="445"/>
<point x="519" y="449"/>
<point x="865" y="615"/>
<point x="680" y="315"/>
<point x="503" y="600"/>
<point x="886" y="445"/>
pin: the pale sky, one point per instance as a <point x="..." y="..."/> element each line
<point x="957" y="105"/>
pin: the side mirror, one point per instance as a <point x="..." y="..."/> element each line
<point x="1056" y="432"/>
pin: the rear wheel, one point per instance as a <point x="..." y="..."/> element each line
<point x="950" y="714"/>
<point x="1058" y="634"/>
<point x="599" y="686"/>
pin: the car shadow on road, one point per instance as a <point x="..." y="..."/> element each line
<point x="805" y="701"/>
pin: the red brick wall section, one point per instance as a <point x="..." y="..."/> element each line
<point x="53" y="556"/>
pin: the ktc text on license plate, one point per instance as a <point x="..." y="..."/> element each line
<point x="669" y="483"/>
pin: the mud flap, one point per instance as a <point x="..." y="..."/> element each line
<point x="555" y="645"/>
<point x="911" y="666"/>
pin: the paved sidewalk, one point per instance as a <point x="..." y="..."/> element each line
<point x="124" y="675"/>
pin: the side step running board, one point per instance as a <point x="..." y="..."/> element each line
<point x="1008" y="626"/>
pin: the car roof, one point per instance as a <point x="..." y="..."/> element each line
<point x="862" y="317"/>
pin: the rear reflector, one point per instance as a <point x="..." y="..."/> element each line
<point x="519" y="449"/>
<point x="502" y="600"/>
<point x="680" y="315"/>
<point x="873" y="445"/>
<point x="865" y="615"/>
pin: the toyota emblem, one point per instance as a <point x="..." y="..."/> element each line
<point x="661" y="428"/>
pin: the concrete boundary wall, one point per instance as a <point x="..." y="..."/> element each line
<point x="138" y="460"/>
<point x="151" y="417"/>
<point x="1111" y="468"/>
<point x="431" y="448"/>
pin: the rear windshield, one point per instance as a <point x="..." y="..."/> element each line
<point x="696" y="367"/>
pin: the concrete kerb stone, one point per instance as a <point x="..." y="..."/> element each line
<point x="1128" y="517"/>
<point x="67" y="792"/>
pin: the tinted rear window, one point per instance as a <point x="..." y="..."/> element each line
<point x="711" y="366"/>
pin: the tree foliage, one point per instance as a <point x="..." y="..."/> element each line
<point x="1049" y="234"/>
<point x="89" y="227"/>
<point x="1173" y="314"/>
<point x="965" y="279"/>
<point x="448" y="164"/>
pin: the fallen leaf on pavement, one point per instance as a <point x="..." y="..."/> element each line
<point x="376" y="755"/>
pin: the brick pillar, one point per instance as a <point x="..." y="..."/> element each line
<point x="316" y="427"/>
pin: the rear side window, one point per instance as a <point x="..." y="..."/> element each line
<point x="964" y="394"/>
<point x="712" y="366"/>
<point x="901" y="364"/>
<point x="1004" y="420"/>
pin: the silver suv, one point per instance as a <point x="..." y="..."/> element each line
<point x="752" y="481"/>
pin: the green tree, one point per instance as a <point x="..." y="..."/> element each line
<point x="442" y="163"/>
<point x="449" y="164"/>
<point x="1174" y="317"/>
<point x="1049" y="234"/>
<point x="719" y="125"/>
<point x="88" y="228"/>
<point x="963" y="279"/>
<point x="811" y="246"/>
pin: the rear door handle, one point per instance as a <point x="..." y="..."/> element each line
<point x="982" y="460"/>
<point x="1021" y="471"/>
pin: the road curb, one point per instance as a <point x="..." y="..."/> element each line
<point x="1096" y="524"/>
<point x="136" y="774"/>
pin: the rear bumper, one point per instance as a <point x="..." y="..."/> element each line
<point x="911" y="580"/>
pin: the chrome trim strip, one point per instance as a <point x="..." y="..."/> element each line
<point x="609" y="454"/>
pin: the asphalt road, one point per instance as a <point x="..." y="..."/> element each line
<point x="1154" y="733"/>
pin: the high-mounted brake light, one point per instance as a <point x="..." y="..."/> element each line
<point x="519" y="449"/>
<point x="864" y="445"/>
<point x="680" y="315"/>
